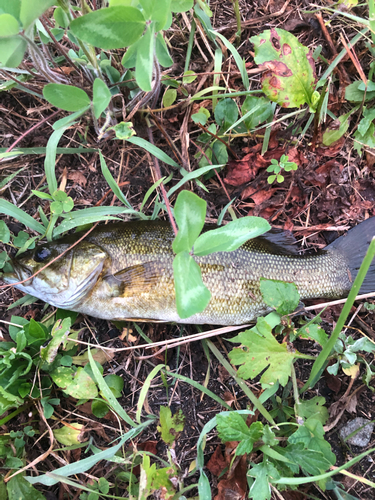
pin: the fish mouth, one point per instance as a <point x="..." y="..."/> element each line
<point x="19" y="273"/>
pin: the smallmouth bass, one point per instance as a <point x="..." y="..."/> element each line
<point x="123" y="270"/>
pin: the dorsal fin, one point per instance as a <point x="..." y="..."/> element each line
<point x="279" y="242"/>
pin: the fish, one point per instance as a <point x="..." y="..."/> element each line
<point x="123" y="271"/>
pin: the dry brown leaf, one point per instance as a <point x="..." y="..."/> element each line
<point x="217" y="462"/>
<point x="78" y="178"/>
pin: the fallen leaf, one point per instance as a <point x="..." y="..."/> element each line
<point x="245" y="170"/>
<point x="217" y="462"/>
<point x="229" y="398"/>
<point x="78" y="178"/>
<point x="235" y="486"/>
<point x="258" y="196"/>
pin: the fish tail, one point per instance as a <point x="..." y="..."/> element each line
<point x="353" y="246"/>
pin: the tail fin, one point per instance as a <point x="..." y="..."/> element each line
<point x="353" y="246"/>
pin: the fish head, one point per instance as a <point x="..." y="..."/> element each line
<point x="64" y="282"/>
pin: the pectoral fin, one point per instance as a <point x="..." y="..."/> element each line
<point x="136" y="279"/>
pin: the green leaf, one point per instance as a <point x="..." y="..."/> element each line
<point x="145" y="59"/>
<point x="354" y="94"/>
<point x="169" y="97"/>
<point x="12" y="50"/>
<point x="4" y="232"/>
<point x="226" y="113"/>
<point x="13" y="7"/>
<point x="154" y="150"/>
<point x="19" y="489"/>
<point x="115" y="383"/>
<point x="156" y="11"/>
<point x="60" y="332"/>
<point x="99" y="408"/>
<point x="290" y="79"/>
<point x="8" y="400"/>
<point x="8" y="208"/>
<point x="232" y="427"/>
<point x="189" y="76"/>
<point x="110" y="28"/>
<point x="336" y="129"/>
<point x="162" y="52"/>
<point x="101" y="97"/>
<point x="284" y="297"/>
<point x="68" y="435"/>
<point x="264" y="473"/>
<point x="315" y="332"/>
<point x="181" y="5"/>
<point x="192" y="296"/>
<point x="190" y="213"/>
<point x="260" y="108"/>
<point x="112" y="183"/>
<point x="312" y="462"/>
<point x="8" y="25"/>
<point x="124" y="130"/>
<point x="61" y="18"/>
<point x="66" y="97"/>
<point x="231" y="236"/>
<point x="260" y="350"/>
<point x="170" y="426"/>
<point x="32" y="10"/>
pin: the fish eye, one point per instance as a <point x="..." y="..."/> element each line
<point x="42" y="254"/>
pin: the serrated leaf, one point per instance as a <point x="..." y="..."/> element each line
<point x="110" y="28"/>
<point x="261" y="350"/>
<point x="313" y="408"/>
<point x="315" y="332"/>
<point x="284" y="297"/>
<point x="290" y="76"/>
<point x="192" y="296"/>
<point x="231" y="236"/>
<point x="170" y="426"/>
<point x="60" y="332"/>
<point x="263" y="473"/>
<point x="190" y="213"/>
<point x="232" y="427"/>
<point x="312" y="462"/>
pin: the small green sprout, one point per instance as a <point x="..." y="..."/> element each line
<point x="277" y="166"/>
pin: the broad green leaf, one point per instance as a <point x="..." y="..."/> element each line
<point x="226" y="113"/>
<point x="4" y="232"/>
<point x="169" y="97"/>
<point x="99" y="408"/>
<point x="284" y="297"/>
<point x="8" y="25"/>
<point x="263" y="473"/>
<point x="31" y="10"/>
<point x="68" y="435"/>
<point x="8" y="400"/>
<point x="315" y="332"/>
<point x="110" y="28"/>
<point x="19" y="489"/>
<point x="219" y="152"/>
<point x="156" y="11"/>
<point x="231" y="236"/>
<point x="313" y="408"/>
<point x="170" y="426"/>
<point x="12" y="50"/>
<point x="260" y="350"/>
<point x="145" y="59"/>
<point x="66" y="97"/>
<point x="162" y="52"/>
<point x="190" y="213"/>
<point x="290" y="76"/>
<point x="312" y="462"/>
<point x="8" y="208"/>
<point x="115" y="383"/>
<point x="368" y="139"/>
<point x="189" y="76"/>
<point x="336" y="129"/>
<point x="82" y="386"/>
<point x="181" y="5"/>
<point x="354" y="94"/>
<point x="262" y="111"/>
<point x="12" y="7"/>
<point x="61" y="17"/>
<point x="192" y="296"/>
<point x="101" y="97"/>
<point x="232" y="427"/>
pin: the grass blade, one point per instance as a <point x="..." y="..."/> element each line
<point x="8" y="208"/>
<point x="154" y="150"/>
